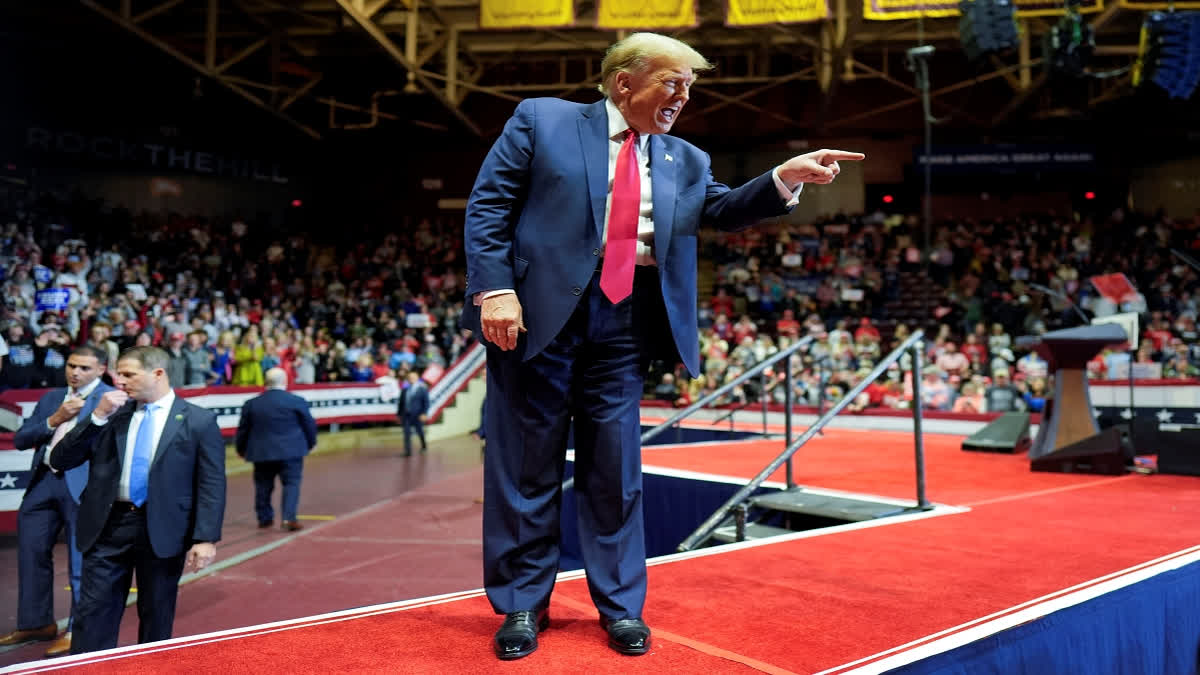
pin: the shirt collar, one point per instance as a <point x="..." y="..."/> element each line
<point x="86" y="391"/>
<point x="617" y="125"/>
<point x="165" y="402"/>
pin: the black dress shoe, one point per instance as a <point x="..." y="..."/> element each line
<point x="627" y="636"/>
<point x="517" y="636"/>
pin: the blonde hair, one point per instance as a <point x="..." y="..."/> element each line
<point x="638" y="50"/>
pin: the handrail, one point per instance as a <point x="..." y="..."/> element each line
<point x="719" y="392"/>
<point x="728" y="386"/>
<point x="708" y="526"/>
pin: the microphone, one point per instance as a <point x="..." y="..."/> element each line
<point x="1061" y="296"/>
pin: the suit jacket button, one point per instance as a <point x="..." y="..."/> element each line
<point x="577" y="290"/>
<point x="595" y="251"/>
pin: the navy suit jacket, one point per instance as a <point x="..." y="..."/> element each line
<point x="35" y="434"/>
<point x="535" y="218"/>
<point x="186" y="500"/>
<point x="415" y="399"/>
<point x="275" y="426"/>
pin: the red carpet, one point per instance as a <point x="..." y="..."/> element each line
<point x="803" y="605"/>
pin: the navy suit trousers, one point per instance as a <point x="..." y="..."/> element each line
<point x="290" y="472"/>
<point x="592" y="373"/>
<point x="46" y="509"/>
<point x="108" y="567"/>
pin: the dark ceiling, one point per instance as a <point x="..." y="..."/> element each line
<point x="340" y="68"/>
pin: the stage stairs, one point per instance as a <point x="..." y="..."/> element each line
<point x="772" y="514"/>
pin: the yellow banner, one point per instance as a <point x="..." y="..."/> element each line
<point x="1148" y="6"/>
<point x="526" y="13"/>
<point x="886" y="10"/>
<point x="645" y="14"/>
<point x="759" y="12"/>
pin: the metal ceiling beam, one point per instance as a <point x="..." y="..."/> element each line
<point x="398" y="55"/>
<point x="771" y="83"/>
<point x="295" y="95"/>
<point x="845" y="121"/>
<point x="137" y="30"/>
<point x="238" y="57"/>
<point x="761" y="111"/>
<point x="153" y="11"/>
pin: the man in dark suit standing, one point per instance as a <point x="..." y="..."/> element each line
<point x="414" y="407"/>
<point x="581" y="239"/>
<point x="276" y="431"/>
<point x="51" y="500"/>
<point x="154" y="502"/>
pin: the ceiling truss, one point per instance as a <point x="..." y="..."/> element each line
<point x="276" y="55"/>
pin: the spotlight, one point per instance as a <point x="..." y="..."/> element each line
<point x="888" y="199"/>
<point x="1089" y="195"/>
<point x="1069" y="44"/>
<point x="297" y="203"/>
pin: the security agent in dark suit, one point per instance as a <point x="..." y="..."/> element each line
<point x="275" y="432"/>
<point x="413" y="409"/>
<point x="581" y="241"/>
<point x="154" y="502"/>
<point x="51" y="500"/>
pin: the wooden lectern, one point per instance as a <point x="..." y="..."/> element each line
<point x="1068" y="438"/>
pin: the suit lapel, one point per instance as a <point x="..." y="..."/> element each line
<point x="89" y="404"/>
<point x="176" y="418"/>
<point x="662" y="182"/>
<point x="593" y="137"/>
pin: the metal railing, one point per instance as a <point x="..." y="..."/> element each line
<point x="724" y="389"/>
<point x="913" y="344"/>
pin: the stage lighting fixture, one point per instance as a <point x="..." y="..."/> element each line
<point x="986" y="27"/>
<point x="888" y="199"/>
<point x="1069" y="44"/>
<point x="1169" y="53"/>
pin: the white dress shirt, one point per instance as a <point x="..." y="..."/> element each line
<point x="159" y="419"/>
<point x="67" y="426"/>
<point x="645" y="230"/>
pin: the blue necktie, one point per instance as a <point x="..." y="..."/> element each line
<point x="139" y="468"/>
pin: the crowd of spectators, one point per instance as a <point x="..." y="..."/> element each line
<point x="229" y="300"/>
<point x="847" y="282"/>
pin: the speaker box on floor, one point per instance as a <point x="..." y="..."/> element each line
<point x="1007" y="433"/>
<point x="1103" y="453"/>
<point x="1178" y="447"/>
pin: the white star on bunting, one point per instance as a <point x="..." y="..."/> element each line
<point x="1127" y="414"/>
<point x="8" y="481"/>
<point x="1164" y="416"/>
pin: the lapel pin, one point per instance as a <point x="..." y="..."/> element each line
<point x="668" y="158"/>
<point x="179" y="417"/>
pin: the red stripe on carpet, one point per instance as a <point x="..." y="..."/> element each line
<point x="658" y="634"/>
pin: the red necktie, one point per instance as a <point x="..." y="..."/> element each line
<point x="620" y="251"/>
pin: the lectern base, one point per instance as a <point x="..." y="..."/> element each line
<point x="1102" y="453"/>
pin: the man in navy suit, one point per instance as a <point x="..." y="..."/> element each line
<point x="414" y="407"/>
<point x="581" y="241"/>
<point x="51" y="500"/>
<point x="154" y="502"/>
<point x="275" y="432"/>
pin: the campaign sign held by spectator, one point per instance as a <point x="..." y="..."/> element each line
<point x="42" y="274"/>
<point x="52" y="299"/>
